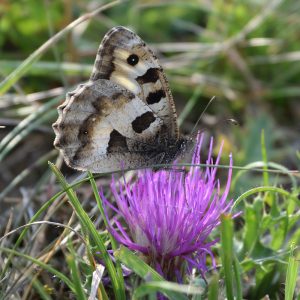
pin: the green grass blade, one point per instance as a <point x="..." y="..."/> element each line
<point x="112" y="240"/>
<point x="26" y="172"/>
<point x="52" y="68"/>
<point x="138" y="266"/>
<point x="75" y="273"/>
<point x="23" y="233"/>
<point x="164" y="287"/>
<point x="264" y="158"/>
<point x="190" y="105"/>
<point x="41" y="290"/>
<point x="238" y="278"/>
<point x="263" y="189"/>
<point x="100" y="206"/>
<point x="260" y="164"/>
<point x="291" y="275"/>
<point x="227" y="254"/>
<point x="44" y="266"/>
<point x="35" y="218"/>
<point x="213" y="287"/>
<point x="20" y="137"/>
<point x="27" y="122"/>
<point x="87" y="224"/>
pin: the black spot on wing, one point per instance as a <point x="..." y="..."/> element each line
<point x="117" y="142"/>
<point x="152" y="75"/>
<point x="133" y="59"/>
<point x="143" y="122"/>
<point x="154" y="97"/>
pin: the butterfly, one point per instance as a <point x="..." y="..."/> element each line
<point x="124" y="116"/>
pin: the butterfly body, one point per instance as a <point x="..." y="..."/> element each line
<point x="124" y="116"/>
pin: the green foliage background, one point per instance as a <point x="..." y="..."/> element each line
<point x="246" y="53"/>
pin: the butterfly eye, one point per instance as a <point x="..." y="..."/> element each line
<point x="133" y="59"/>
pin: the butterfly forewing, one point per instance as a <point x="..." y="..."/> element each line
<point x="125" y="59"/>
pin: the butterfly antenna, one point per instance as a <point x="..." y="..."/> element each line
<point x="205" y="109"/>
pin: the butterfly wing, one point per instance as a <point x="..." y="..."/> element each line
<point x="124" y="117"/>
<point x="124" y="58"/>
<point x="103" y="127"/>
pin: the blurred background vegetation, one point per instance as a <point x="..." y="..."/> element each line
<point x="246" y="53"/>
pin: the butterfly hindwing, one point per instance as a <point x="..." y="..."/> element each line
<point x="101" y="119"/>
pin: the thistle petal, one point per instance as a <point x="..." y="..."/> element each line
<point x="170" y="214"/>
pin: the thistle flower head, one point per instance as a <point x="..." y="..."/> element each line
<point x="170" y="214"/>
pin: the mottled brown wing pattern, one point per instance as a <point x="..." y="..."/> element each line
<point x="124" y="117"/>
<point x="91" y="126"/>
<point x="124" y="58"/>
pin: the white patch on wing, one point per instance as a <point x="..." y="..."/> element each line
<point x="125" y="74"/>
<point x="161" y="108"/>
<point x="132" y="110"/>
<point x="127" y="82"/>
<point x="98" y="144"/>
<point x="101" y="135"/>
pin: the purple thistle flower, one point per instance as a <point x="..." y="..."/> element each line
<point x="170" y="214"/>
